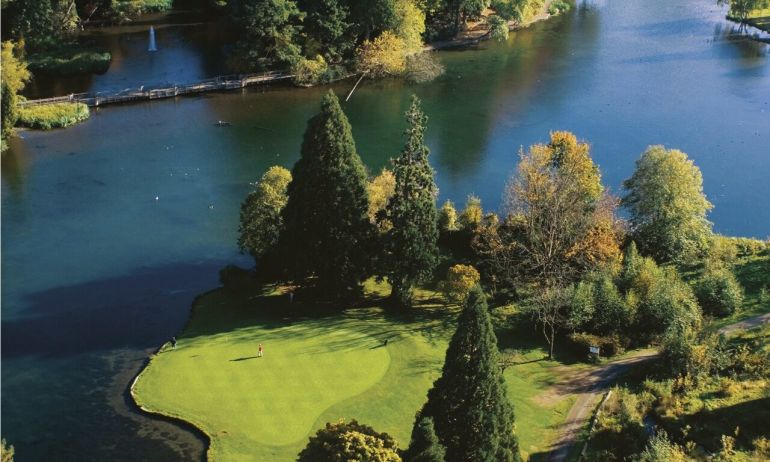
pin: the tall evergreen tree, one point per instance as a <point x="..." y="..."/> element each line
<point x="469" y="403"/>
<point x="411" y="246"/>
<point x="425" y="446"/>
<point x="327" y="28"/>
<point x="326" y="225"/>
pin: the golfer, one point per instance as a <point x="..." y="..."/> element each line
<point x="259" y="352"/>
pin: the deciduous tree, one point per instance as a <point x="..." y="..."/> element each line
<point x="667" y="206"/>
<point x="349" y="442"/>
<point x="261" y="220"/>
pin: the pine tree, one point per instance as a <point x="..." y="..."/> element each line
<point x="327" y="230"/>
<point x="412" y="243"/>
<point x="469" y="403"/>
<point x="425" y="446"/>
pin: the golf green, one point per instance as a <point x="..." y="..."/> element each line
<point x="316" y="368"/>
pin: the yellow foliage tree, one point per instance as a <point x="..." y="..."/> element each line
<point x="410" y="25"/>
<point x="381" y="189"/>
<point x="385" y="55"/>
<point x="459" y="281"/>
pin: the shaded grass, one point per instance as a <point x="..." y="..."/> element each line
<point x="48" y="116"/>
<point x="319" y="367"/>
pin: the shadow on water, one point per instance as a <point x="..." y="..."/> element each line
<point x="137" y="311"/>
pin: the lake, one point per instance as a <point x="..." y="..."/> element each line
<point x="96" y="272"/>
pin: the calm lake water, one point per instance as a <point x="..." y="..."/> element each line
<point x="96" y="272"/>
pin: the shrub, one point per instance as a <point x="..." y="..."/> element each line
<point x="719" y="293"/>
<point x="722" y="251"/>
<point x="661" y="449"/>
<point x="459" y="282"/>
<point x="349" y="441"/>
<point x="470" y="218"/>
<point x="308" y="72"/>
<point x="48" y="116"/>
<point x="558" y="7"/>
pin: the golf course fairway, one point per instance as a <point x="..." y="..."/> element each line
<point x="316" y="368"/>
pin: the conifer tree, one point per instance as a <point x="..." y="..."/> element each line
<point x="469" y="403"/>
<point x="326" y="226"/>
<point x="412" y="243"/>
<point x="425" y="446"/>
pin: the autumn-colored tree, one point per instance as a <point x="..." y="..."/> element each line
<point x="14" y="77"/>
<point x="385" y="55"/>
<point x="447" y="217"/>
<point x="460" y="279"/>
<point x="6" y="451"/>
<point x="349" y="442"/>
<point x="261" y="221"/>
<point x="381" y="189"/>
<point x="472" y="214"/>
<point x="410" y="25"/>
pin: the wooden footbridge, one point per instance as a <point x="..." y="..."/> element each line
<point x="221" y="83"/>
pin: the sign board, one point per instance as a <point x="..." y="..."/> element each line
<point x="593" y="350"/>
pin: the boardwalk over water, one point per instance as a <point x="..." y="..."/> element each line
<point x="221" y="83"/>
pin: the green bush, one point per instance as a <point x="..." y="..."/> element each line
<point x="308" y="72"/>
<point x="48" y="116"/>
<point x="70" y="60"/>
<point x="719" y="293"/>
<point x="609" y="346"/>
<point x="558" y="7"/>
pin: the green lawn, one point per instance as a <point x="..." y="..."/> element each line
<point x="320" y="368"/>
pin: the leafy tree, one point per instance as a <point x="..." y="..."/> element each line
<point x="349" y="442"/>
<point x="6" y="451"/>
<point x="611" y="315"/>
<point x="14" y="76"/>
<point x="327" y="229"/>
<point x="460" y="280"/>
<point x="372" y="17"/>
<point x="719" y="293"/>
<point x="472" y="214"/>
<point x="261" y="220"/>
<point x="409" y="24"/>
<point x="498" y="28"/>
<point x="425" y="446"/>
<point x="412" y="243"/>
<point x="268" y="33"/>
<point x="550" y="309"/>
<point x="308" y="72"/>
<point x="40" y="23"/>
<point x="742" y="9"/>
<point x="447" y="217"/>
<point x="469" y="403"/>
<point x="327" y="28"/>
<point x="381" y="189"/>
<point x="667" y="206"/>
<point x="385" y="55"/>
<point x="560" y="220"/>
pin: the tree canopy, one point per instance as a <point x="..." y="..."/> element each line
<point x="261" y="221"/>
<point x="349" y="442"/>
<point x="667" y="206"/>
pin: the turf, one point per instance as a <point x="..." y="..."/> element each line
<point x="317" y="368"/>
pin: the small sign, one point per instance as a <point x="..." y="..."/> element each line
<point x="593" y="350"/>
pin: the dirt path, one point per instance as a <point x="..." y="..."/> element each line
<point x="588" y="387"/>
<point x="590" y="384"/>
<point x="745" y="324"/>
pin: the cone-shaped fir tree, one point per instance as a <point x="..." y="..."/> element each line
<point x="468" y="403"/>
<point x="411" y="246"/>
<point x="425" y="446"/>
<point x="326" y="226"/>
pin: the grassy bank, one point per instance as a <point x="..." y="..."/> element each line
<point x="320" y="368"/>
<point x="48" y="116"/>
<point x="70" y="60"/>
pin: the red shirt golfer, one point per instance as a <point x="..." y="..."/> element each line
<point x="259" y="353"/>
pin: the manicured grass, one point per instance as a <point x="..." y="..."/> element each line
<point x="48" y="116"/>
<point x="70" y="59"/>
<point x="317" y="368"/>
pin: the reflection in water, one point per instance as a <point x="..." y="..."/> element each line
<point x="95" y="270"/>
